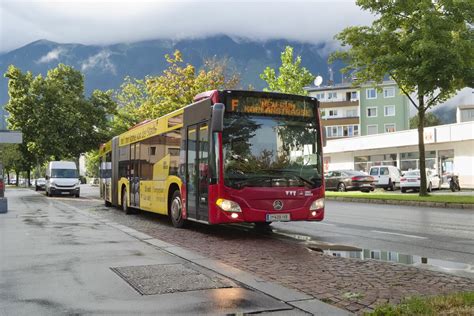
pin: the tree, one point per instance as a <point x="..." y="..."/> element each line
<point x="56" y="119"/>
<point x="292" y="78"/>
<point x="180" y="83"/>
<point x="430" y="120"/>
<point x="12" y="160"/>
<point x="425" y="46"/>
<point x="92" y="163"/>
<point x="154" y="96"/>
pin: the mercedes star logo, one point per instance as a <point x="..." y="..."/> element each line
<point x="278" y="205"/>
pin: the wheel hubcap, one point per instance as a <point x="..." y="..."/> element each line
<point x="176" y="208"/>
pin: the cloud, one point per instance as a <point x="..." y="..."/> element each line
<point x="100" y="60"/>
<point x="52" y="55"/>
<point x="117" y="21"/>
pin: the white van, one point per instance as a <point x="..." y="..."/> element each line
<point x="62" y="178"/>
<point x="388" y="177"/>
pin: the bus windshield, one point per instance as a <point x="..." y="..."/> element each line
<point x="270" y="151"/>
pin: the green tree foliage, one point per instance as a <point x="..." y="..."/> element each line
<point x="154" y="96"/>
<point x="92" y="163"/>
<point x="12" y="159"/>
<point x="292" y="78"/>
<point x="430" y="120"/>
<point x="426" y="46"/>
<point x="56" y="119"/>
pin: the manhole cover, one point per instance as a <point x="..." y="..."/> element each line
<point x="169" y="278"/>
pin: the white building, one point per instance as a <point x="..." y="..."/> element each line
<point x="449" y="149"/>
<point x="464" y="113"/>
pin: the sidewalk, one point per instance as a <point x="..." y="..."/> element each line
<point x="57" y="259"/>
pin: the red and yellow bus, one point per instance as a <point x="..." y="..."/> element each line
<point x="229" y="157"/>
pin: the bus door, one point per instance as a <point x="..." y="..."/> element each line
<point x="135" y="175"/>
<point x="197" y="171"/>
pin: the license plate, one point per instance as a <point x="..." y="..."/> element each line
<point x="412" y="180"/>
<point x="278" y="217"/>
<point x="64" y="192"/>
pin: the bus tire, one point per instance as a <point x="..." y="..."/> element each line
<point x="263" y="226"/>
<point x="125" y="207"/>
<point x="175" y="211"/>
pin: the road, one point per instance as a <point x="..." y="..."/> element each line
<point x="445" y="234"/>
<point x="435" y="233"/>
<point x="292" y="259"/>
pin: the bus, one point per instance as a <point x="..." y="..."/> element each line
<point x="231" y="156"/>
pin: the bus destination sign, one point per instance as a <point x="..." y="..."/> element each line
<point x="269" y="106"/>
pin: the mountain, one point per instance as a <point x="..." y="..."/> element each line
<point x="105" y="67"/>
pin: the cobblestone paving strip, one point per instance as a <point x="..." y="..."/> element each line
<point x="353" y="284"/>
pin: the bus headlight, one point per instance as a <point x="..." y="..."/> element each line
<point x="228" y="206"/>
<point x="317" y="204"/>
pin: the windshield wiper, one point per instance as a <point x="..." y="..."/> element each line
<point x="294" y="174"/>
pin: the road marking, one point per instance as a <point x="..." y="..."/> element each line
<point x="327" y="224"/>
<point x="405" y="235"/>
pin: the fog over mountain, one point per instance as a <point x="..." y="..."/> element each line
<point x="105" y="66"/>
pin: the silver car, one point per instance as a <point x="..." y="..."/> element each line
<point x="40" y="184"/>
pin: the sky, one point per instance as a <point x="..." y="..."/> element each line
<point x="117" y="21"/>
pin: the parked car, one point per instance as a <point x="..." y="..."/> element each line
<point x="411" y="180"/>
<point x="387" y="177"/>
<point x="343" y="180"/>
<point x="40" y="184"/>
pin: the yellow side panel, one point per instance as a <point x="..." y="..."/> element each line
<point x="161" y="168"/>
<point x="154" y="194"/>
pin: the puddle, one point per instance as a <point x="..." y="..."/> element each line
<point x="458" y="268"/>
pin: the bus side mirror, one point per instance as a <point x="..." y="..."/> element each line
<point x="325" y="141"/>
<point x="217" y="122"/>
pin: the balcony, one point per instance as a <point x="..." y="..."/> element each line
<point x="338" y="103"/>
<point x="340" y="121"/>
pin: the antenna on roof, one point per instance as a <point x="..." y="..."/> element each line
<point x="318" y="80"/>
<point x="331" y="77"/>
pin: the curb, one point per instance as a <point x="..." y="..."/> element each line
<point x="291" y="297"/>
<point x="401" y="202"/>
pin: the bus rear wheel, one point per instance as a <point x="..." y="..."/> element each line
<point x="125" y="207"/>
<point x="176" y="208"/>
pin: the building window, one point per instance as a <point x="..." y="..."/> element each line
<point x="323" y="113"/>
<point x="371" y="93"/>
<point x="354" y="96"/>
<point x="389" y="110"/>
<point x="332" y="95"/>
<point x="372" y="129"/>
<point x="342" y="131"/>
<point x="371" y="112"/>
<point x="332" y="113"/>
<point x="389" y="128"/>
<point x="351" y="113"/>
<point x="320" y="96"/>
<point x="411" y="160"/>
<point x="389" y="92"/>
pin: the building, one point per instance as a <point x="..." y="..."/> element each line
<point x="465" y="113"/>
<point x="349" y="111"/>
<point x="449" y="149"/>
<point x="384" y="109"/>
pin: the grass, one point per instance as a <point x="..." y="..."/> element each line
<point x="381" y="195"/>
<point x="452" y="304"/>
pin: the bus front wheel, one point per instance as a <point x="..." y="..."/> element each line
<point x="176" y="208"/>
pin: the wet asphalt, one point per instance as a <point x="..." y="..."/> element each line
<point x="444" y="236"/>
